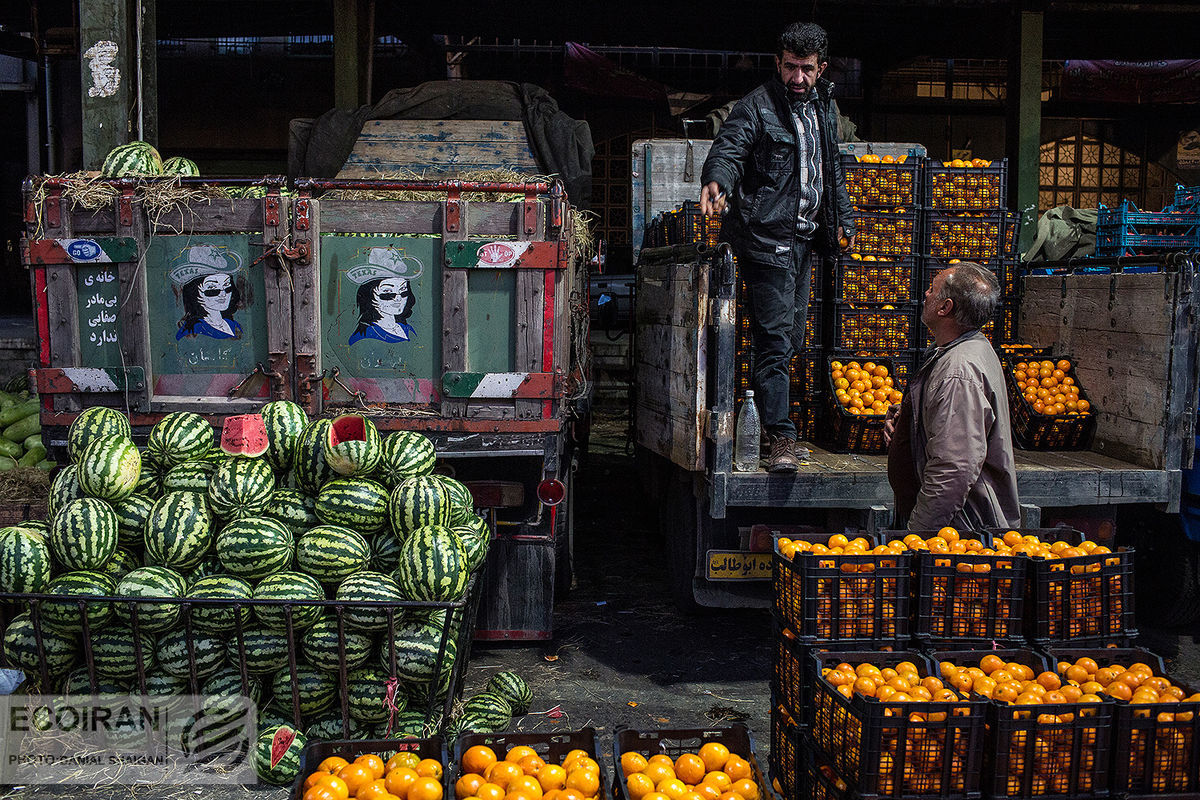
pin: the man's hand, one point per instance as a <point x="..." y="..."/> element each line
<point x="712" y="199"/>
<point x="846" y="242"/>
<point x="889" y="422"/>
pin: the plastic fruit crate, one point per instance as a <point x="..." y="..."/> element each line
<point x="674" y="742"/>
<point x="898" y="750"/>
<point x="1187" y="199"/>
<point x="858" y="600"/>
<point x="874" y="326"/>
<point x="880" y="185"/>
<point x="971" y="236"/>
<point x="317" y="750"/>
<point x="687" y="225"/>
<point x="791" y="674"/>
<point x="808" y="416"/>
<point x="1127" y="231"/>
<point x="1005" y="270"/>
<point x="551" y="747"/>
<point x="966" y="599"/>
<point x="903" y="363"/>
<point x="856" y="433"/>
<point x="949" y="188"/>
<point x="806" y="374"/>
<point x="1034" y="431"/>
<point x="812" y="325"/>
<point x="785" y="754"/>
<point x="887" y="233"/>
<point x="821" y="780"/>
<point x="878" y="280"/>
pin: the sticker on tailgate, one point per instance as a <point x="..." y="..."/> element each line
<point x="738" y="565"/>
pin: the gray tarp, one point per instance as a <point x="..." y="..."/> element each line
<point x="1063" y="233"/>
<point x="561" y="145"/>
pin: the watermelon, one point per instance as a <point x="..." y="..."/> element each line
<point x="58" y="652"/>
<point x="255" y="547"/>
<point x="38" y="526"/>
<point x="109" y="468"/>
<point x="368" y="697"/>
<point x="404" y="454"/>
<point x="68" y="616"/>
<point x="309" y="467"/>
<point x="513" y="688"/>
<point x="227" y="682"/>
<point x="209" y="565"/>
<point x="264" y="651"/>
<point x="273" y="716"/>
<point x="418" y="502"/>
<point x="329" y="727"/>
<point x="160" y="683"/>
<point x="416" y="642"/>
<point x="116" y="654"/>
<point x="219" y="618"/>
<point x="462" y="503"/>
<point x="178" y="165"/>
<point x="406" y="724"/>
<point x="151" y="582"/>
<point x="131" y="160"/>
<point x="433" y="565"/>
<point x="240" y="487"/>
<point x="293" y="508"/>
<point x="97" y="422"/>
<point x="63" y="489"/>
<point x="385" y="552"/>
<point x="150" y="479"/>
<point x="369" y="586"/>
<point x="352" y="445"/>
<point x="315" y="689"/>
<point x="320" y="645"/>
<point x="284" y="422"/>
<point x="288" y="590"/>
<point x="132" y="513"/>
<point x="244" y="435"/>
<point x="355" y="503"/>
<point x="178" y="437"/>
<point x="77" y="683"/>
<point x="178" y="531"/>
<point x="277" y="755"/>
<point x="493" y="708"/>
<point x="24" y="561"/>
<point x="121" y="564"/>
<point x="83" y="534"/>
<point x="331" y="553"/>
<point x="174" y="655"/>
<point x="475" y="546"/>
<point x="190" y="476"/>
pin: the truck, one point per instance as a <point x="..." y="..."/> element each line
<point x="1133" y="336"/>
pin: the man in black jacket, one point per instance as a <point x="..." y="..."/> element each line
<point x="775" y="163"/>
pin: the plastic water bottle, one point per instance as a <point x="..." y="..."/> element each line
<point x="746" y="437"/>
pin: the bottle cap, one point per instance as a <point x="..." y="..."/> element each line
<point x="749" y="393"/>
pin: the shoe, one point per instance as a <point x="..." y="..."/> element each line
<point x="782" y="457"/>
<point x="801" y="452"/>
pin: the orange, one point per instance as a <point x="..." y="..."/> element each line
<point x="531" y="764"/>
<point x="319" y="791"/>
<point x="517" y="794"/>
<point x="314" y="779"/>
<point x="589" y="763"/>
<point x="657" y="758"/>
<point x="1087" y="663"/>
<point x="553" y="794"/>
<point x="990" y="664"/>
<point x="425" y="789"/>
<point x="689" y="767"/>
<point x="332" y="764"/>
<point x="551" y="777"/>
<point x="731" y="795"/>
<point x="638" y="785"/>
<point x="466" y="786"/>
<point x="707" y="791"/>
<point x="570" y="758"/>
<point x="658" y="772"/>
<point x="488" y="791"/>
<point x="429" y="768"/>
<point x="375" y="790"/>
<point x="356" y="775"/>
<point x="503" y="772"/>
<point x="632" y="762"/>
<point x="517" y="752"/>
<point x="746" y="788"/>
<point x="373" y="762"/>
<point x="736" y="768"/>
<point x="527" y="784"/>
<point x="399" y="779"/>
<point x="575" y="794"/>
<point x="584" y="781"/>
<point x="1049" y="680"/>
<point x="337" y="785"/>
<point x="672" y="788"/>
<point x="1119" y="690"/>
<point x="716" y="754"/>
<point x="478" y="758"/>
<point x="718" y="779"/>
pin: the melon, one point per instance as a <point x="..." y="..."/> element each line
<point x="244" y="435"/>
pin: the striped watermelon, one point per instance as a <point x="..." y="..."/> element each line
<point x="63" y="489"/>
<point x="68" y="616"/>
<point x="227" y="682"/>
<point x="264" y="651"/>
<point x="240" y="487"/>
<point x="320" y="645"/>
<point x="121" y="564"/>
<point x="385" y="552"/>
<point x="462" y="503"/>
<point x="178" y="530"/>
<point x="151" y="582"/>
<point x="294" y="589"/>
<point x="109" y="468"/>
<point x="21" y="650"/>
<point x="328" y="727"/>
<point x="415" y="645"/>
<point x="209" y="565"/>
<point x="355" y="503"/>
<point x="190" y="476"/>
<point x="367" y="696"/>
<point x="285" y="421"/>
<point x="491" y="707"/>
<point x="315" y="689"/>
<point x="178" y="437"/>
<point x="219" y="619"/>
<point x="293" y="508"/>
<point x="24" y="561"/>
<point x="115" y="651"/>
<point x="97" y="422"/>
<point x="130" y="160"/>
<point x="369" y="587"/>
<point x="433" y="565"/>
<point x="83" y="534"/>
<point x="352" y="445"/>
<point x="174" y="654"/>
<point x="132" y="513"/>
<point x="331" y="553"/>
<point x="277" y="755"/>
<point x="37" y="526"/>
<point x="475" y="546"/>
<point x="178" y="165"/>
<point x="404" y="454"/>
<point x="160" y="683"/>
<point x="149" y="479"/>
<point x="513" y="688"/>
<point x="255" y="547"/>
<point x="309" y="467"/>
<point x="418" y="502"/>
<point x="406" y="725"/>
<point x="77" y="683"/>
<point x="273" y="716"/>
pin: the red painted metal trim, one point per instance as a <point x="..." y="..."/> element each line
<point x="43" y="326"/>
<point x="382" y="423"/>
<point x="548" y="334"/>
<point x="494" y="636"/>
<point x="429" y="186"/>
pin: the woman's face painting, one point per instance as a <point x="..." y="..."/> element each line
<point x="215" y="293"/>
<point x="391" y="296"/>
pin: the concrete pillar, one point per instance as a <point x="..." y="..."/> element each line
<point x="351" y="42"/>
<point x="119" y="71"/>
<point x="1024" y="130"/>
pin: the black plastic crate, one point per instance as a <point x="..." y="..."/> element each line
<point x="686" y="225"/>
<point x="874" y="326"/>
<point x="856" y="600"/>
<point x="808" y="416"/>
<point x="551" y="747"/>
<point x="875" y="280"/>
<point x="785" y="758"/>
<point x="317" y="750"/>
<point x="950" y="188"/>
<point x="1005" y="270"/>
<point x="1039" y="431"/>
<point x="812" y="325"/>
<point x="791" y="674"/>
<point x="852" y="432"/>
<point x="993" y="330"/>
<point x="883" y="185"/>
<point x="903" y="363"/>
<point x="821" y="780"/>
<point x="805" y="374"/>
<point x="898" y="750"/>
<point x="887" y="233"/>
<point x="971" y="236"/>
<point x="674" y="742"/>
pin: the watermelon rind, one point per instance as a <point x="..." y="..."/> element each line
<point x="190" y="476"/>
<point x="178" y="165"/>
<point x="321" y="643"/>
<point x="294" y="591"/>
<point x="331" y="553"/>
<point x="263" y="651"/>
<point x="97" y="422"/>
<point x="309" y="467"/>
<point x="109" y="468"/>
<point x="123" y="562"/>
<point x="368" y="586"/>
<point x="173" y="650"/>
<point x="150" y="478"/>
<point x="115" y="651"/>
<point x="160" y="683"/>
<point x="367" y="696"/>
<point x="328" y="727"/>
<point x="433" y="565"/>
<point x="132" y="513"/>
<point x="178" y="530"/>
<point x="513" y="688"/>
<point x="83" y="535"/>
<point x="285" y="421"/>
<point x="219" y="618"/>
<point x="178" y="437"/>
<point x="76" y="683"/>
<point x="293" y="508"/>
<point x="416" y="642"/>
<point x="404" y="454"/>
<point x="67" y="616"/>
<point x="385" y="552"/>
<point x="356" y="503"/>
<point x="63" y="489"/>
<point x="352" y="445"/>
<point x="58" y="653"/>
<point x="151" y="582"/>
<point x="418" y="502"/>
<point x="25" y="561"/>
<point x="240" y="487"/>
<point x="135" y="159"/>
<point x="462" y="502"/>
<point x="281" y="767"/>
<point x="492" y="707"/>
<point x="255" y="547"/>
<point x="227" y="682"/>
<point x="317" y="690"/>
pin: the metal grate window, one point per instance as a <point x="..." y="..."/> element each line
<point x="1084" y="172"/>
<point x="235" y="45"/>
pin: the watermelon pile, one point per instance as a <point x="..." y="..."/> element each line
<point x="141" y="159"/>
<point x="507" y="695"/>
<point x="286" y="510"/>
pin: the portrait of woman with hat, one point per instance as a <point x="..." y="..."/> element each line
<point x="210" y="294"/>
<point x="385" y="299"/>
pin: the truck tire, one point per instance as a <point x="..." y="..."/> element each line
<point x="1167" y="566"/>
<point x="679" y="521"/>
<point x="564" y="540"/>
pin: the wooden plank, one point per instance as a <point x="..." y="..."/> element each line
<point x="531" y="321"/>
<point x="210" y="405"/>
<point x="218" y="215"/>
<point x="135" y="312"/>
<point x="398" y="146"/>
<point x="277" y="281"/>
<point x="454" y="315"/>
<point x="480" y="411"/>
<point x="103" y="250"/>
<point x="87" y="380"/>
<point x="108" y="77"/>
<point x="99" y="222"/>
<point x="416" y="217"/>
<point x="306" y="315"/>
<point x="483" y="254"/>
<point x="1185" y="372"/>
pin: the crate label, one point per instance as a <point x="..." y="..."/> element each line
<point x="738" y="565"/>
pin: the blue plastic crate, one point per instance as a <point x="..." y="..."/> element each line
<point x="1187" y="199"/>
<point x="1126" y="231"/>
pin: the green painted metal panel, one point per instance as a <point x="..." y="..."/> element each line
<point x="208" y="313"/>
<point x="99" y="292"/>
<point x="491" y="321"/>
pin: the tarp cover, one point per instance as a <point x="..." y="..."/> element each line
<point x="561" y="145"/>
<point x="1064" y="232"/>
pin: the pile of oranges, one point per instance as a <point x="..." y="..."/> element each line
<point x="1048" y="388"/>
<point x="404" y="776"/>
<point x="712" y="773"/>
<point x="1136" y="683"/>
<point x="525" y="775"/>
<point x="900" y="684"/>
<point x="1030" y="545"/>
<point x="872" y="158"/>
<point x="887" y="233"/>
<point x="962" y="190"/>
<point x="872" y="186"/>
<point x="964" y="235"/>
<point x="864" y="388"/>
<point x="870" y="279"/>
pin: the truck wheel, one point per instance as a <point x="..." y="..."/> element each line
<point x="679" y="521"/>
<point x="564" y="540"/>
<point x="1168" y="572"/>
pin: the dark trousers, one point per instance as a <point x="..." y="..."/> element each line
<point x="777" y="301"/>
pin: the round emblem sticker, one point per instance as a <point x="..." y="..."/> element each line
<point x="496" y="253"/>
<point x="83" y="250"/>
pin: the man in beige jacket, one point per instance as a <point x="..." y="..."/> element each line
<point x="950" y="458"/>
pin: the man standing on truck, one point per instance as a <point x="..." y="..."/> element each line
<point x="950" y="457"/>
<point x="775" y="162"/>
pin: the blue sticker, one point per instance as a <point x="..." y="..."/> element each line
<point x="83" y="250"/>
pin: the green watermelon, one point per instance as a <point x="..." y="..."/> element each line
<point x="97" y="422"/>
<point x="491" y="707"/>
<point x="115" y="651"/>
<point x="190" y="476"/>
<point x="178" y="530"/>
<point x="63" y="489"/>
<point x="77" y="683"/>
<point x="406" y="724"/>
<point x="178" y="165"/>
<point x="255" y="547"/>
<point x="462" y="503"/>
<point x="132" y="513"/>
<point x="209" y="565"/>
<point x="309" y="467"/>
<point x="174" y="655"/>
<point x="277" y="755"/>
<point x="356" y="503"/>
<point x="415" y="643"/>
<point x="369" y="586"/>
<point x="121" y="564"/>
<point x="513" y="688"/>
<point x="288" y="590"/>
<point x="385" y="552"/>
<point x="244" y="435"/>
<point x="404" y="454"/>
<point x="284" y="421"/>
<point x="132" y="160"/>
<point x="316" y="690"/>
<point x="273" y="716"/>
<point x="367" y="695"/>
<point x="58" y="652"/>
<point x="352" y="445"/>
<point x="25" y="563"/>
<point x="418" y="502"/>
<point x="227" y="682"/>
<point x="240" y="487"/>
<point x="109" y="468"/>
<point x="160" y="683"/>
<point x="151" y="582"/>
<point x="178" y="437"/>
<point x="331" y="554"/>
<point x="320" y="645"/>
<point x="83" y="535"/>
<point x="264" y="651"/>
<point x="219" y="619"/>
<point x="293" y="508"/>
<point x="475" y="546"/>
<point x="329" y="727"/>
<point x="433" y="565"/>
<point x="67" y="616"/>
<point x="149" y="479"/>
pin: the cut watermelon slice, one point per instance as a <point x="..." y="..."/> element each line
<point x="281" y="742"/>
<point x="353" y="446"/>
<point x="244" y="435"/>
